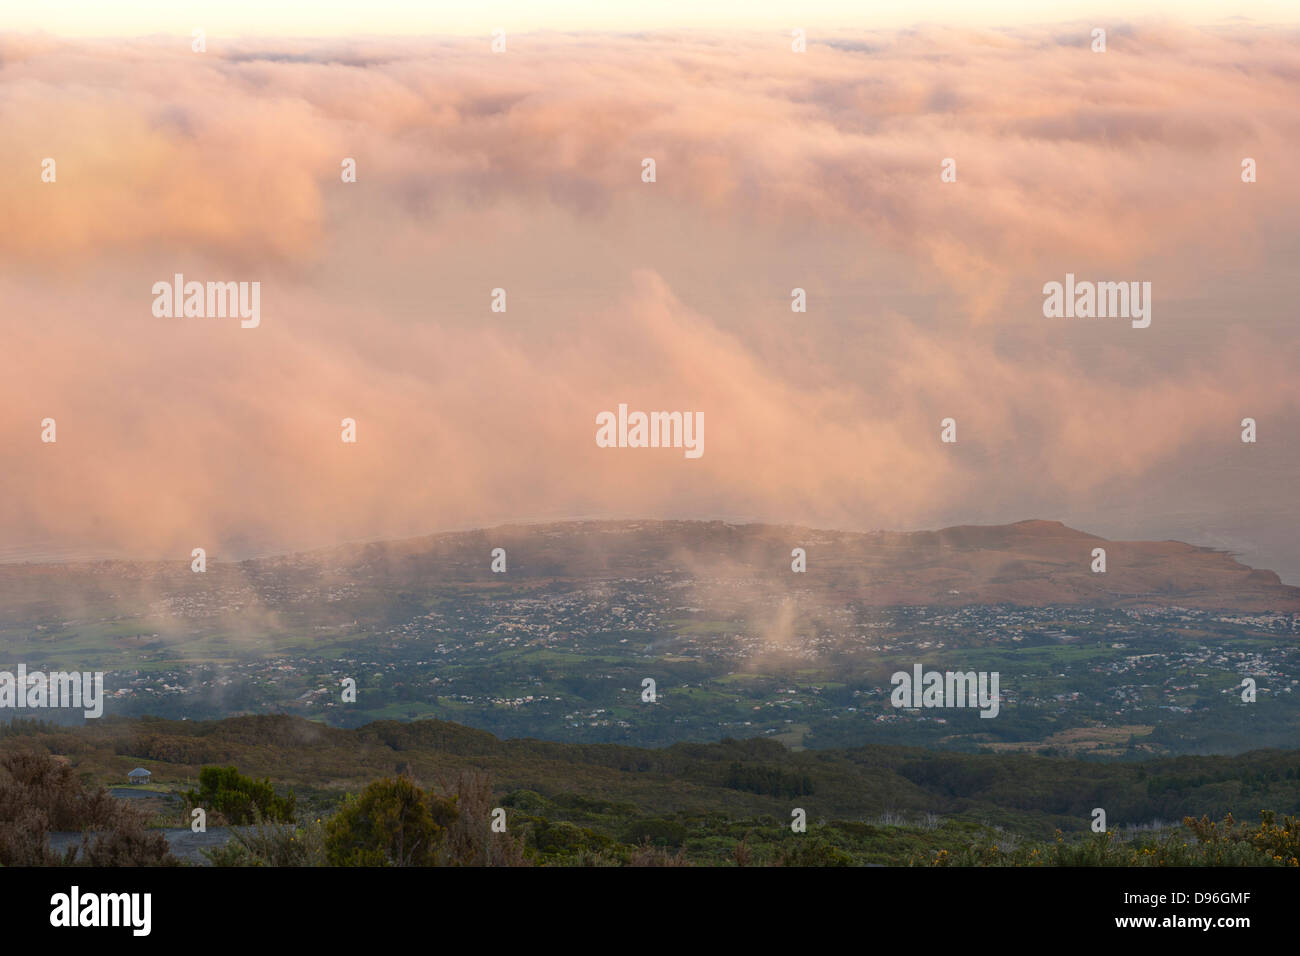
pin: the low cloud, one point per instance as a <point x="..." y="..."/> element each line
<point x="522" y="171"/>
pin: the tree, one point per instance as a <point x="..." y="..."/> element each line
<point x="392" y="823"/>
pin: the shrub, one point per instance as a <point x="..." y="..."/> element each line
<point x="272" y="844"/>
<point x="39" y="794"/>
<point x="240" y="799"/>
<point x="392" y="823"/>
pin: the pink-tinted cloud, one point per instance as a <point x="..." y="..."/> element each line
<point x="522" y="171"/>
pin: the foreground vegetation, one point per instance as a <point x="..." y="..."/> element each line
<point x="394" y="823"/>
<point x="425" y="794"/>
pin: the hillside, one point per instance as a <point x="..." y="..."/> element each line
<point x="1146" y="659"/>
<point x="1031" y="563"/>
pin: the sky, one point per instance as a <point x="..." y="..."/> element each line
<point x="523" y="171"/>
<point x="414" y="17"/>
<point x="410" y="17"/>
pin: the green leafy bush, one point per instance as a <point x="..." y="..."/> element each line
<point x="240" y="799"/>
<point x="392" y="823"/>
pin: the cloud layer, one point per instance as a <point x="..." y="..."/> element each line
<point x="522" y="171"/>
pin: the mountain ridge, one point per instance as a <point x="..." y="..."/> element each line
<point x="1033" y="562"/>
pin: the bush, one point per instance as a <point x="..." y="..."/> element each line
<point x="813" y="852"/>
<point x="129" y="845"/>
<point x="272" y="844"/>
<point x="1200" y="842"/>
<point x="39" y="794"/>
<point x="392" y="823"/>
<point x="240" y="799"/>
<point x="655" y="832"/>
